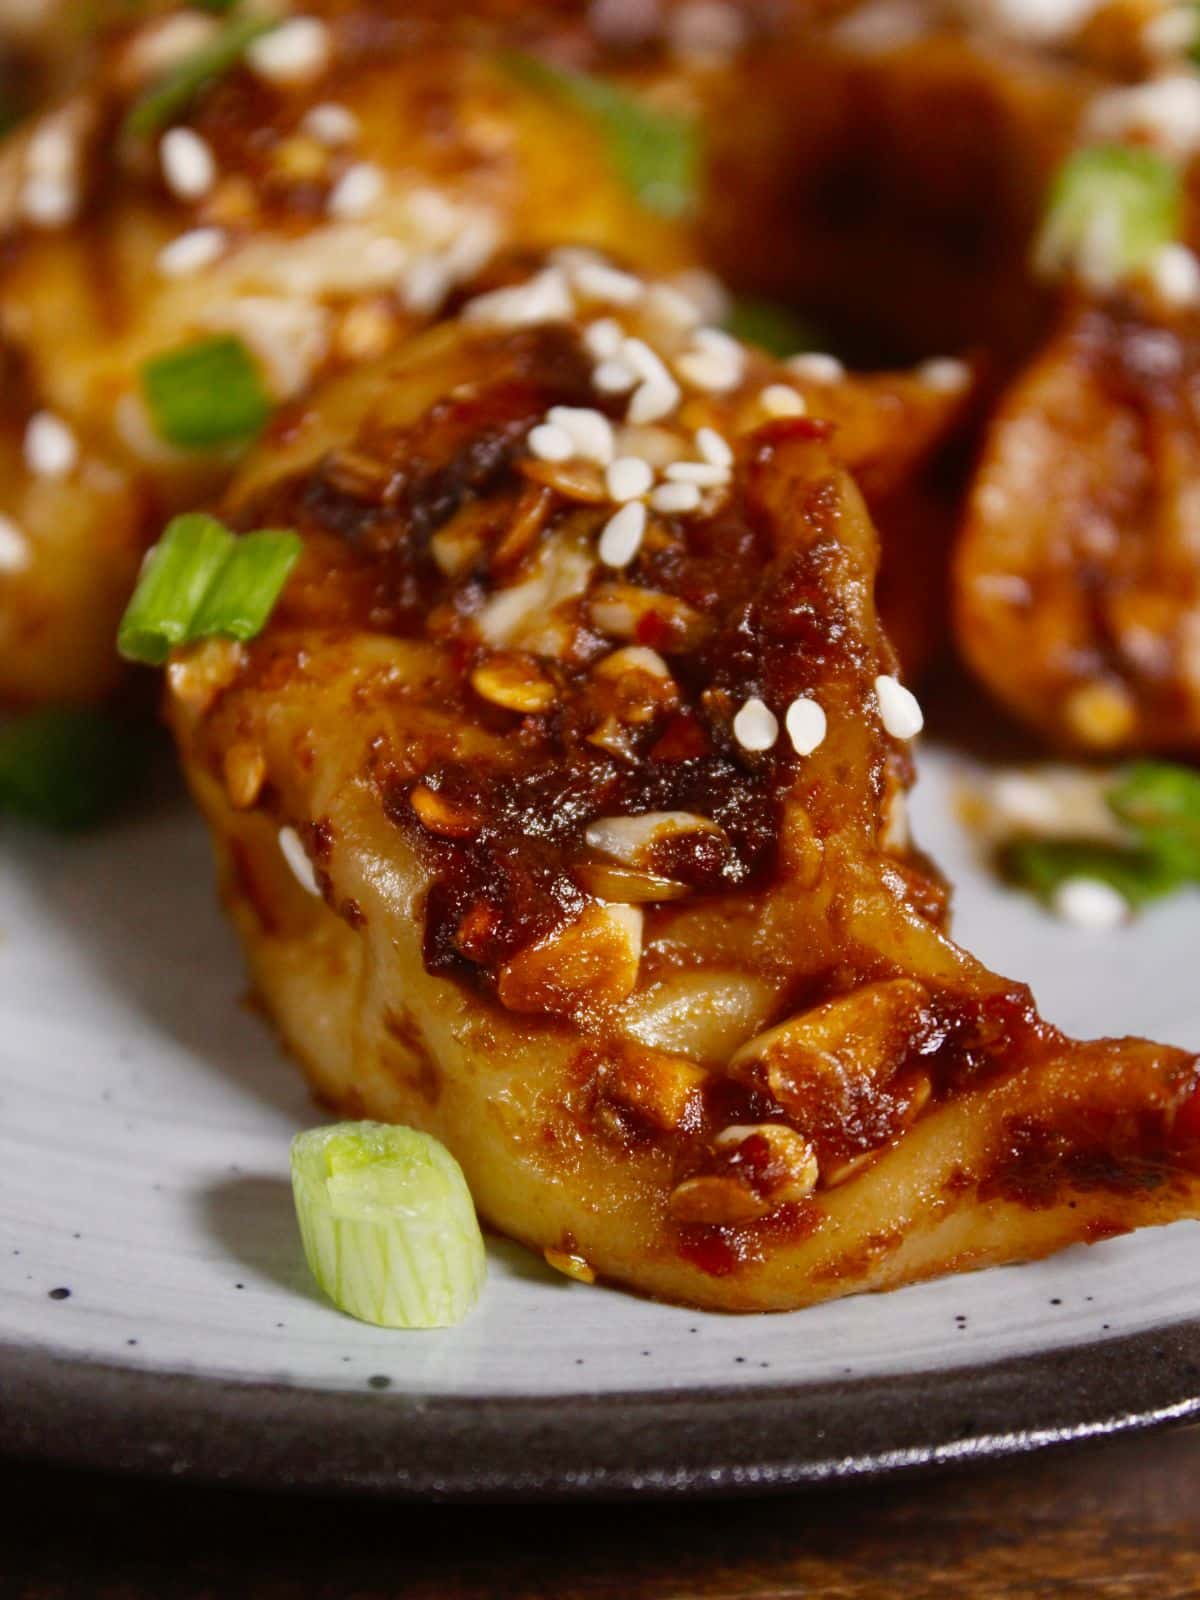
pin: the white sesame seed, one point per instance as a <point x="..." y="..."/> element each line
<point x="703" y="473"/>
<point x="544" y="298"/>
<point x="623" y="533"/>
<point x="613" y="377"/>
<point x="49" y="196"/>
<point x="658" y="394"/>
<point x="628" y="477"/>
<point x="356" y="192"/>
<point x="430" y="211"/>
<point x="779" y="400"/>
<point x="709" y="370"/>
<point x="549" y="443"/>
<point x="570" y="257"/>
<point x="945" y="374"/>
<point x="806" y="725"/>
<point x="474" y="244"/>
<point x="187" y="163"/>
<point x="50" y="447"/>
<point x="293" y="52"/>
<point x="191" y="252"/>
<point x="603" y="338"/>
<point x="1030" y="22"/>
<point x="714" y="448"/>
<point x="1175" y="275"/>
<point x="1090" y="903"/>
<point x="674" y="499"/>
<point x="53" y="149"/>
<point x="425" y="284"/>
<point x="722" y="343"/>
<point x="756" y="726"/>
<point x="49" y="202"/>
<point x="589" y="430"/>
<point x="899" y="711"/>
<point x="705" y="291"/>
<point x="1171" y="32"/>
<point x="816" y="367"/>
<point x="707" y="30"/>
<point x="1165" y="110"/>
<point x="331" y="123"/>
<point x="669" y="306"/>
<point x="881" y="26"/>
<point x="645" y="361"/>
<point x="14" y="546"/>
<point x="651" y="402"/>
<point x="381" y="262"/>
<point x="598" y="281"/>
<point x="296" y="857"/>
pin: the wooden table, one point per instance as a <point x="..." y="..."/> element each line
<point x="1107" y="1522"/>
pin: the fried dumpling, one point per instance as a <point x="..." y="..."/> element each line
<point x="560" y="811"/>
<point x="304" y="210"/>
<point x="1078" y="608"/>
<point x="900" y="167"/>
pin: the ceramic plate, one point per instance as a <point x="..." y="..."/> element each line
<point x="155" y="1311"/>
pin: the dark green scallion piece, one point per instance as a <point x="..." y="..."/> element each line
<point x="206" y="394"/>
<point x="200" y="581"/>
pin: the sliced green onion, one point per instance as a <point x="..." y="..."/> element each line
<point x="170" y="95"/>
<point x="1111" y="209"/>
<point x="388" y="1224"/>
<point x="69" y="769"/>
<point x="241" y="600"/>
<point x="175" y="578"/>
<point x="1044" y="865"/>
<point x="1159" y="802"/>
<point x="772" y="327"/>
<point x="199" y="580"/>
<point x="657" y="153"/>
<point x="206" y="394"/>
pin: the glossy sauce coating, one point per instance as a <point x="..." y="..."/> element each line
<point x="684" y="992"/>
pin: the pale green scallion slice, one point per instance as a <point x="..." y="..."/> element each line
<point x="1112" y="209"/>
<point x="388" y="1224"/>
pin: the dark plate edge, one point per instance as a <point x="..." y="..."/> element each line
<point x="663" y="1443"/>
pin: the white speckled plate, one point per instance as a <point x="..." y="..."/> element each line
<point x="155" y="1310"/>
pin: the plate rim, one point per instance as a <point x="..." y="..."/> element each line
<point x="714" y="1440"/>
